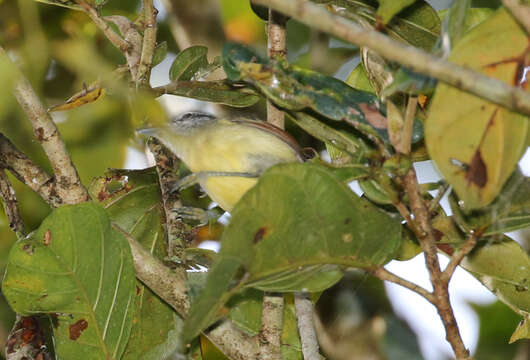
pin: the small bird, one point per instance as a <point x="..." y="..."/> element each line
<point x="226" y="156"/>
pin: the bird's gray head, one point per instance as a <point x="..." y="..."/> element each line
<point x="191" y="121"/>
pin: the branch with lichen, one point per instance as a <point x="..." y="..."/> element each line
<point x="28" y="172"/>
<point x="68" y="184"/>
<point x="9" y="199"/>
<point x="306" y="327"/>
<point x="149" y="43"/>
<point x="413" y="58"/>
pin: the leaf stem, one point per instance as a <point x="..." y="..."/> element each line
<point x="68" y="183"/>
<point x="458" y="256"/>
<point x="384" y="274"/>
<point x="415" y="59"/>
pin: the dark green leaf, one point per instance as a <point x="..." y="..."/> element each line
<point x="188" y="62"/>
<point x="335" y="227"/>
<point x="160" y="53"/>
<point x="215" y="91"/>
<point x="79" y="270"/>
<point x="132" y="200"/>
<point x="245" y="310"/>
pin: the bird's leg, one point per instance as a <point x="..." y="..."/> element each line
<point x="198" y="214"/>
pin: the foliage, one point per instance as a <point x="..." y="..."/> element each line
<point x="301" y="228"/>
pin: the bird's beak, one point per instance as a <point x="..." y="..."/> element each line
<point x="155" y="132"/>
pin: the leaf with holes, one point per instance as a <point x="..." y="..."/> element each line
<point x="328" y="227"/>
<point x="79" y="270"/>
<point x="132" y="200"/>
<point x="476" y="144"/>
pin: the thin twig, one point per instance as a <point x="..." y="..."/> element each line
<point x="306" y="327"/>
<point x="69" y="187"/>
<point x="113" y="37"/>
<point x="9" y="199"/>
<point x="458" y="256"/>
<point x="441" y="192"/>
<point x="28" y="172"/>
<point x="440" y="287"/>
<point x="271" y="327"/>
<point x="520" y="11"/>
<point x="149" y="43"/>
<point x="384" y="274"/>
<point x="415" y="59"/>
<point x="276" y="46"/>
<point x="179" y="32"/>
<point x="410" y="113"/>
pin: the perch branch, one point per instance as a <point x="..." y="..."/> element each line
<point x="271" y="327"/>
<point x="28" y="172"/>
<point x="384" y="274"/>
<point x="178" y="232"/>
<point x="149" y="43"/>
<point x="276" y="48"/>
<point x="306" y="327"/>
<point x="113" y="37"/>
<point x="440" y="287"/>
<point x="9" y="199"/>
<point x="69" y="187"/>
<point x="179" y="32"/>
<point x="520" y="12"/>
<point x="415" y="59"/>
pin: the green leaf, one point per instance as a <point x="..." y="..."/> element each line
<point x="522" y="331"/>
<point x="159" y="53"/>
<point x="418" y="25"/>
<point x="245" y="310"/>
<point x="79" y="270"/>
<point x="132" y="200"/>
<point x="291" y="346"/>
<point x="188" y="62"/>
<point x="215" y="91"/>
<point x="508" y="280"/>
<point x="477" y="165"/>
<point x="509" y="212"/>
<point x="358" y="79"/>
<point x="328" y="226"/>
<point x="388" y="8"/>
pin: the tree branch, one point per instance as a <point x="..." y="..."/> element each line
<point x="415" y="59"/>
<point x="271" y="327"/>
<point x="428" y="244"/>
<point x="149" y="43"/>
<point x="113" y="37"/>
<point x="28" y="172"/>
<point x="276" y="48"/>
<point x="384" y="274"/>
<point x="179" y="32"/>
<point x="178" y="232"/>
<point x="69" y="187"/>
<point x="9" y="199"/>
<point x="519" y="11"/>
<point x="306" y="327"/>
